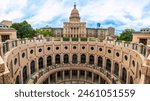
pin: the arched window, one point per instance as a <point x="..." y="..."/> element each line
<point x="17" y="80"/>
<point x="83" y="59"/>
<point x="25" y="75"/>
<point x="91" y="60"/>
<point x="100" y="61"/>
<point x="32" y="66"/>
<point x="108" y="65"/>
<point x="116" y="69"/>
<point x="40" y="62"/>
<point x="74" y="59"/>
<point x="124" y="75"/>
<point x="49" y="61"/>
<point x="57" y="59"/>
<point x="66" y="59"/>
<point x="131" y="80"/>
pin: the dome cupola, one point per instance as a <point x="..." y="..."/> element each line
<point x="74" y="17"/>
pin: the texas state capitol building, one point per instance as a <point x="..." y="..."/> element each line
<point x="83" y="61"/>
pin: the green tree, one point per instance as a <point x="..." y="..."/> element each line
<point x="24" y="29"/>
<point x="45" y="32"/>
<point x="126" y="35"/>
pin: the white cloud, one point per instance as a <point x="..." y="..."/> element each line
<point x="12" y="9"/>
<point x="129" y="12"/>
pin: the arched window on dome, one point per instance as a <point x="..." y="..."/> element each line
<point x="124" y="75"/>
<point x="83" y="59"/>
<point x="66" y="59"/>
<point x="108" y="65"/>
<point x="116" y="69"/>
<point x="131" y="80"/>
<point x="32" y="67"/>
<point x="49" y="61"/>
<point x="57" y="59"/>
<point x="25" y="75"/>
<point x="17" y="80"/>
<point x="74" y="59"/>
<point x="100" y="61"/>
<point x="91" y="60"/>
<point x="40" y="63"/>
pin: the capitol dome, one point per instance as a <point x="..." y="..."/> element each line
<point x="75" y="15"/>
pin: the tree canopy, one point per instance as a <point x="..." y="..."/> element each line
<point x="45" y="32"/>
<point x="24" y="29"/>
<point x="126" y="35"/>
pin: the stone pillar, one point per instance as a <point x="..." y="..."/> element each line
<point x="56" y="77"/>
<point x="1" y="49"/>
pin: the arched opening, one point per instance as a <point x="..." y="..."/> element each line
<point x="25" y="75"/>
<point x="139" y="74"/>
<point x="57" y="59"/>
<point x="124" y="75"/>
<point x="100" y="61"/>
<point x="32" y="66"/>
<point x="17" y="80"/>
<point x="40" y="62"/>
<point x="131" y="80"/>
<point x="108" y="65"/>
<point x="83" y="59"/>
<point x="116" y="69"/>
<point x="91" y="60"/>
<point x="66" y="59"/>
<point x="49" y="61"/>
<point x="74" y="59"/>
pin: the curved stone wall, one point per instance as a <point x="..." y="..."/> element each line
<point x="41" y="61"/>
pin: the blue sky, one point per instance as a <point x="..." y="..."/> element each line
<point x="120" y="14"/>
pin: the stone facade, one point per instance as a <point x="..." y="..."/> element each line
<point x="58" y="61"/>
<point x="142" y="37"/>
<point x="6" y="32"/>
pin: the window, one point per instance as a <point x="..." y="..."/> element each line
<point x="23" y="55"/>
<point x="109" y="51"/>
<point x="74" y="59"/>
<point x="49" y="61"/>
<point x="83" y="47"/>
<point x="117" y="54"/>
<point x="48" y="48"/>
<point x="66" y="59"/>
<point x="124" y="75"/>
<point x="31" y="51"/>
<point x="133" y="63"/>
<point x="15" y="61"/>
<point x="100" y="61"/>
<point x="92" y="48"/>
<point x="125" y="57"/>
<point x="57" y="48"/>
<point x="17" y="80"/>
<point x="116" y="69"/>
<point x="100" y="49"/>
<point x="131" y="80"/>
<point x="91" y="60"/>
<point x="4" y="37"/>
<point x="108" y="65"/>
<point x="40" y="63"/>
<point x="40" y="50"/>
<point x="74" y="47"/>
<point x="66" y="47"/>
<point x="57" y="59"/>
<point x="83" y="59"/>
<point x="32" y="67"/>
<point x="25" y="77"/>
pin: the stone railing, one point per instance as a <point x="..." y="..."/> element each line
<point x="9" y="44"/>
